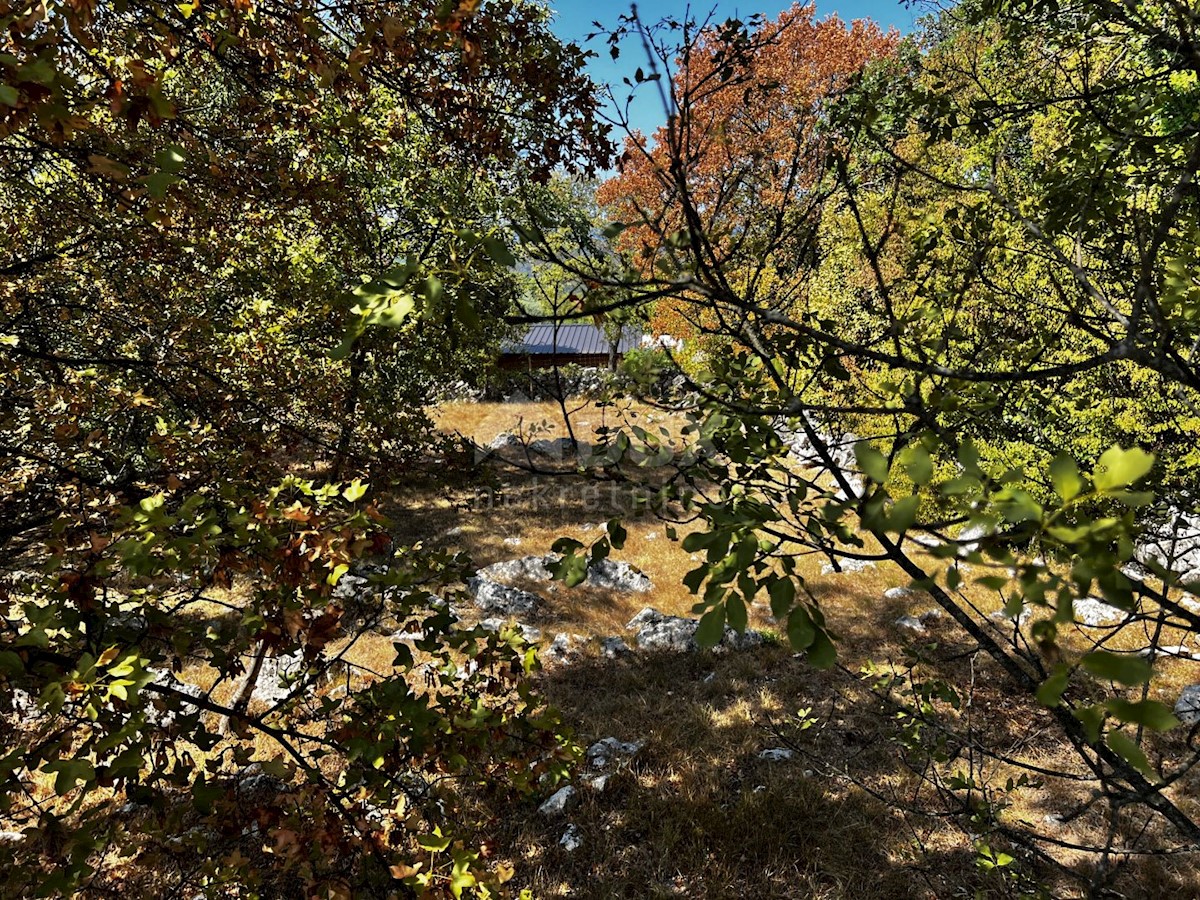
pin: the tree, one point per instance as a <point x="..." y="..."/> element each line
<point x="194" y="199"/>
<point x="745" y="103"/>
<point x="997" y="223"/>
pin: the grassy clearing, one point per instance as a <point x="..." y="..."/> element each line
<point x="698" y="814"/>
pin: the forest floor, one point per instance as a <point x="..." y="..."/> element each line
<point x="698" y="812"/>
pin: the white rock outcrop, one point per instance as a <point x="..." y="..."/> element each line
<point x="658" y="631"/>
<point x="560" y="803"/>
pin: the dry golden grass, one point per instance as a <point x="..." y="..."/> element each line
<point x="697" y="813"/>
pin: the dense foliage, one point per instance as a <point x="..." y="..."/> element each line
<point x="929" y="344"/>
<point x="198" y="202"/>
<point x="941" y="306"/>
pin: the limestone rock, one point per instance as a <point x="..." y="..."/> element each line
<point x="532" y="568"/>
<point x="899" y="593"/>
<point x="1187" y="707"/>
<point x="1095" y="612"/>
<point x="1019" y="619"/>
<point x="571" y="840"/>
<point x="528" y="632"/>
<point x="911" y="623"/>
<point x="505" y="442"/>
<point x="613" y="575"/>
<point x="606" y="749"/>
<point x="560" y="803"/>
<point x="614" y="648"/>
<point x="279" y="677"/>
<point x="657" y="631"/>
<point x="563" y="650"/>
<point x="776" y="754"/>
<point x="156" y="712"/>
<point x="1174" y="543"/>
<point x="499" y="598"/>
<point x="848" y="566"/>
<point x="349" y="586"/>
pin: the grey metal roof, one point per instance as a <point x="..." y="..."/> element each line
<point x="571" y="339"/>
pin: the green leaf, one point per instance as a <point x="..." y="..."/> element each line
<point x="822" y="654"/>
<point x="434" y="842"/>
<point x="433" y="289"/>
<point x="735" y="613"/>
<point x="1149" y="713"/>
<point x="1092" y="718"/>
<point x="1119" y="468"/>
<point x="1065" y="477"/>
<point x="498" y="251"/>
<point x="1124" y="746"/>
<point x="355" y="490"/>
<point x="616" y="534"/>
<point x="170" y="159"/>
<point x="917" y="464"/>
<point x="9" y="95"/>
<point x="902" y="514"/>
<point x="1050" y="691"/>
<point x="800" y="629"/>
<point x="1123" y="668"/>
<point x="872" y="463"/>
<point x="711" y="628"/>
<point x="158" y="183"/>
<point x="782" y="592"/>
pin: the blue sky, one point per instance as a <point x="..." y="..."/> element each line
<point x="575" y="17"/>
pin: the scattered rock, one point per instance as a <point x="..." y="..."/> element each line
<point x="968" y="539"/>
<point x="613" y="575"/>
<point x="911" y="623"/>
<point x="528" y="632"/>
<point x="1019" y="619"/>
<point x="609" y="748"/>
<point x="657" y="631"/>
<point x="512" y="542"/>
<point x="560" y="803"/>
<point x="560" y="448"/>
<point x="505" y="442"/>
<point x="847" y="566"/>
<point x="563" y="650"/>
<point x="279" y="677"/>
<point x="532" y="568"/>
<point x="1187" y="707"/>
<point x="1174" y="543"/>
<point x="1176" y="651"/>
<point x="23" y="705"/>
<point x="571" y="840"/>
<point x="499" y="598"/>
<point x="776" y="754"/>
<point x="598" y="783"/>
<point x="407" y="636"/>
<point x="899" y="593"/>
<point x="158" y="714"/>
<point x="614" y="648"/>
<point x="11" y="837"/>
<point x="1094" y="612"/>
<point x="349" y="587"/>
